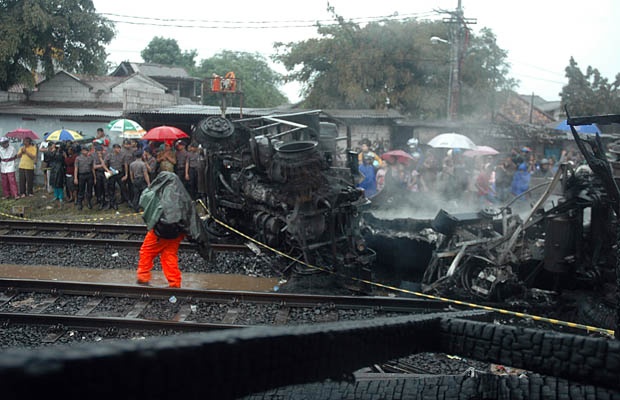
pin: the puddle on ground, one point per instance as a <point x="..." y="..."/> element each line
<point x="122" y="276"/>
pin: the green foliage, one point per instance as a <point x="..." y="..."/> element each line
<point x="589" y="93"/>
<point x="55" y="34"/>
<point x="258" y="81"/>
<point x="392" y="64"/>
<point x="484" y="73"/>
<point x="167" y="52"/>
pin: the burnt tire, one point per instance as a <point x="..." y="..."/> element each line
<point x="481" y="386"/>
<point x="596" y="313"/>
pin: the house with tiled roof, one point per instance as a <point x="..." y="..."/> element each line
<point x="82" y="102"/>
<point x="518" y="109"/>
<point x="136" y="91"/>
<point x="176" y="79"/>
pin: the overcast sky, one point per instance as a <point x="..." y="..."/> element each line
<point x="539" y="35"/>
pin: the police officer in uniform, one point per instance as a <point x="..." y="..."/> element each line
<point x="84" y="177"/>
<point x="100" y="181"/>
<point x="116" y="171"/>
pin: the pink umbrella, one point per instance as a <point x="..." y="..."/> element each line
<point x="21" y="134"/>
<point x="398" y="156"/>
<point x="481" y="151"/>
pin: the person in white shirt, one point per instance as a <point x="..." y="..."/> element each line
<point x="8" y="154"/>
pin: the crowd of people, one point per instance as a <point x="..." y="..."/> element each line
<point x="454" y="175"/>
<point x="107" y="175"/>
<point x="110" y="174"/>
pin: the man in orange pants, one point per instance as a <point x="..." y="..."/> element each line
<point x="170" y="216"/>
<point x="167" y="249"/>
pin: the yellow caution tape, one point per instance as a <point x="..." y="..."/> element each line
<point x="587" y="328"/>
<point x="553" y="321"/>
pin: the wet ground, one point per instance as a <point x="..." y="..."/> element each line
<point x="126" y="276"/>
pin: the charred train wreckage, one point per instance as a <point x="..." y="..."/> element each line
<point x="564" y="247"/>
<point x="281" y="181"/>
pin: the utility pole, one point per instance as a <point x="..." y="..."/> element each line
<point x="458" y="42"/>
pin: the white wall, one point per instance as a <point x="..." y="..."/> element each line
<point x="43" y="124"/>
<point x="62" y="88"/>
<point x="8" y="96"/>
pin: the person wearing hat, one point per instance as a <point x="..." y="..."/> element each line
<point x="28" y="158"/>
<point x="367" y="169"/>
<point x="544" y="169"/>
<point x="8" y="154"/>
<point x="115" y="172"/>
<point x="521" y="181"/>
<point x="140" y="179"/>
<point x="84" y="177"/>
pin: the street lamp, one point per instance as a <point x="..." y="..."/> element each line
<point x="437" y="39"/>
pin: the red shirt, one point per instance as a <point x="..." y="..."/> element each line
<point x="70" y="164"/>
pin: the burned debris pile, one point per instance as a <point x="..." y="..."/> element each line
<point x="565" y="243"/>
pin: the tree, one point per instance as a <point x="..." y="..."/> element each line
<point x="259" y="82"/>
<point x="50" y="34"/>
<point x="485" y="73"/>
<point x="167" y="51"/>
<point x="589" y="94"/>
<point x="391" y="64"/>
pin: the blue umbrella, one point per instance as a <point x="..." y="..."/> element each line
<point x="588" y="129"/>
<point x="63" y="135"/>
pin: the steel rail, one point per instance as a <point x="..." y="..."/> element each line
<point x="72" y="226"/>
<point x="384" y="303"/>
<point x="94" y="322"/>
<point x="82" y="319"/>
<point x="91" y="231"/>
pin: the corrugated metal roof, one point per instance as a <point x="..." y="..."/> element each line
<point x="160" y="70"/>
<point x="373" y="114"/>
<point x="100" y="82"/>
<point x="185" y="109"/>
<point x="194" y="109"/>
<point x="21" y="109"/>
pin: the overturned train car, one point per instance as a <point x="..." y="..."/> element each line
<point x="281" y="181"/>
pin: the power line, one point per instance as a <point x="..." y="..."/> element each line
<point x="217" y="24"/>
<point x="538" y="68"/>
<point x="541" y="79"/>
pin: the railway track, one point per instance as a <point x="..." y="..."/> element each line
<point x="31" y="232"/>
<point x="66" y="306"/>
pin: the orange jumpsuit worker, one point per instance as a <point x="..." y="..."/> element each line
<point x="170" y="215"/>
<point x="167" y="249"/>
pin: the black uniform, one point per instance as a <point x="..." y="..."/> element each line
<point x="84" y="165"/>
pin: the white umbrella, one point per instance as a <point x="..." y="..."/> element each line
<point x="481" y="151"/>
<point x="127" y="128"/>
<point x="452" y="141"/>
